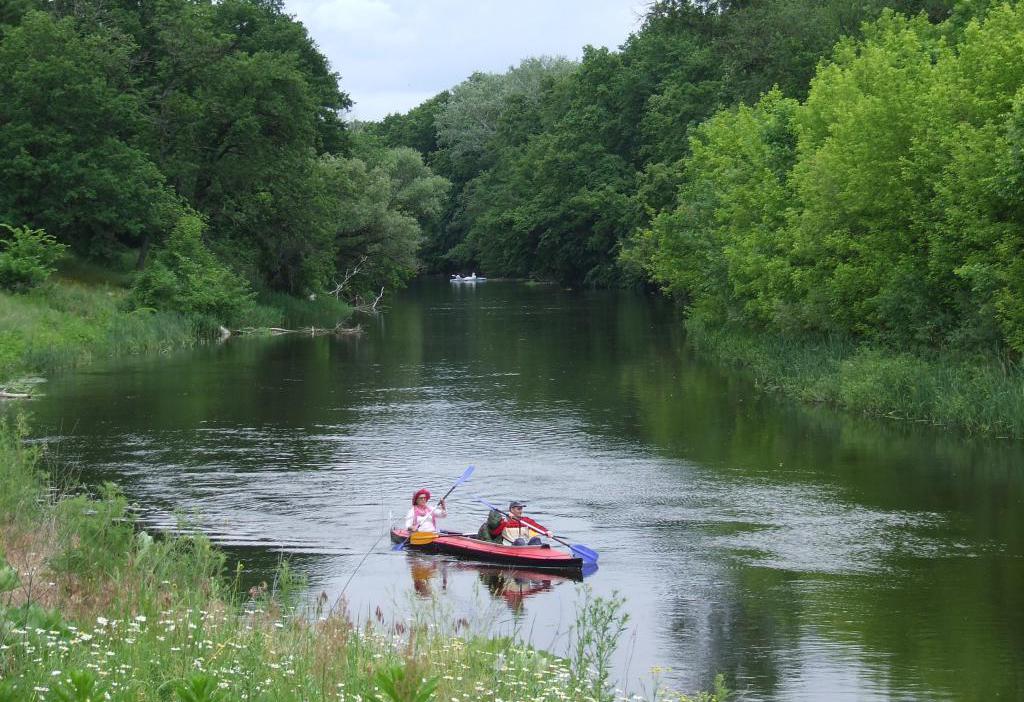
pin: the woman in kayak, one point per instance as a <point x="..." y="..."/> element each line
<point x="517" y="530"/>
<point x="423" y="517"/>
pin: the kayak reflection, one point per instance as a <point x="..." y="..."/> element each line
<point x="512" y="586"/>
<point x="508" y="585"/>
<point x="425" y="571"/>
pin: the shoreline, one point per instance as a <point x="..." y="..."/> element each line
<point x="973" y="395"/>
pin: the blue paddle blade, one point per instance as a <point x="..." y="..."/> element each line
<point x="485" y="503"/>
<point x="587" y="554"/>
<point x="465" y="475"/>
<point x="400" y="545"/>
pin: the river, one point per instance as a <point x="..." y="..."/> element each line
<point x="803" y="553"/>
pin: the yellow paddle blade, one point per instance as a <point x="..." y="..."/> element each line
<point x="419" y="538"/>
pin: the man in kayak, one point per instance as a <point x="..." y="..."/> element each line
<point x="517" y="530"/>
<point x="423" y="517"/>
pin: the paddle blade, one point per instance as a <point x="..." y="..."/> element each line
<point x="485" y="503"/>
<point x="587" y="554"/>
<point x="400" y="545"/>
<point x="462" y="478"/>
<point x="420" y="538"/>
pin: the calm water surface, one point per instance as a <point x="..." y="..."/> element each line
<point x="805" y="555"/>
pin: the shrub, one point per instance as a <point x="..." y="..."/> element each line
<point x="27" y="257"/>
<point x="186" y="277"/>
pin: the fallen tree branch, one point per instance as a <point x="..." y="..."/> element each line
<point x="349" y="272"/>
<point x="372" y="307"/>
<point x="337" y="330"/>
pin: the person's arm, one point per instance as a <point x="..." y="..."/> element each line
<point x="496" y="531"/>
<point x="441" y="510"/>
<point x="536" y="527"/>
<point x="410" y="518"/>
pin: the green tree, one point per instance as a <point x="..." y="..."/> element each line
<point x="378" y="204"/>
<point x="71" y="160"/>
<point x="27" y="257"/>
<point x="186" y="277"/>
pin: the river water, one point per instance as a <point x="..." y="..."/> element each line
<point x="805" y="554"/>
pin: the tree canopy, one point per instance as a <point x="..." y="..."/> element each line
<point x="124" y="124"/>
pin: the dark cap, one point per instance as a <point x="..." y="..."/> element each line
<point x="516" y="503"/>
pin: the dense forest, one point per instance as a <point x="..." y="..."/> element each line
<point x="792" y="165"/>
<point x="830" y="168"/>
<point x="205" y="141"/>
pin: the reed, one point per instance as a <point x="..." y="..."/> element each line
<point x="65" y="324"/>
<point x="323" y="311"/>
<point x="976" y="394"/>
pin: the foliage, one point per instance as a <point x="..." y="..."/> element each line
<point x="399" y="684"/>
<point x="121" y="121"/>
<point x="380" y="201"/>
<point x="185" y="276"/>
<point x="945" y="389"/>
<point x="65" y="324"/>
<point x="884" y="206"/>
<point x="95" y="535"/>
<point x="472" y="116"/>
<point x="27" y="257"/>
<point x="599" y="625"/>
<point x="19" y="473"/>
<point x="71" y="123"/>
<point x="554" y="166"/>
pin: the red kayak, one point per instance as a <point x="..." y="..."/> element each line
<point x="533" y="557"/>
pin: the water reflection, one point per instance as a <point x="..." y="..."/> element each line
<point x="425" y="571"/>
<point x="513" y="586"/>
<point x="509" y="586"/>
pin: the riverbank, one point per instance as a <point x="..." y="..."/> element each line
<point x="69" y="322"/>
<point x="975" y="395"/>
<point x="90" y="606"/>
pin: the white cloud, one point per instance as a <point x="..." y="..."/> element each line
<point x="393" y="54"/>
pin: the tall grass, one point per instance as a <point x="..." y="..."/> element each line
<point x="65" y="323"/>
<point x="61" y="325"/>
<point x="93" y="609"/>
<point x="323" y="311"/>
<point x="983" y="395"/>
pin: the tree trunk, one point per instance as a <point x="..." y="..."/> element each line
<point x="143" y="253"/>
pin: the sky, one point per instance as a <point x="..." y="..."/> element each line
<point x="394" y="54"/>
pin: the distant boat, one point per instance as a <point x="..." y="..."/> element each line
<point x="473" y="278"/>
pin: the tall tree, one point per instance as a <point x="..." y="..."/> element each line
<point x="71" y="149"/>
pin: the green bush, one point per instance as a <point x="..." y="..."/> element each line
<point x="96" y="535"/>
<point x="27" y="257"/>
<point x="186" y="277"/>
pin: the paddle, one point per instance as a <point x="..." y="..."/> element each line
<point x="462" y="478"/>
<point x="583" y="552"/>
<point x="421" y="538"/>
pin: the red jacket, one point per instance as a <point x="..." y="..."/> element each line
<point x="515" y="525"/>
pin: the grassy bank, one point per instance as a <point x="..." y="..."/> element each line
<point x="976" y="395"/>
<point x="91" y="608"/>
<point x="74" y="319"/>
<point x="65" y="324"/>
